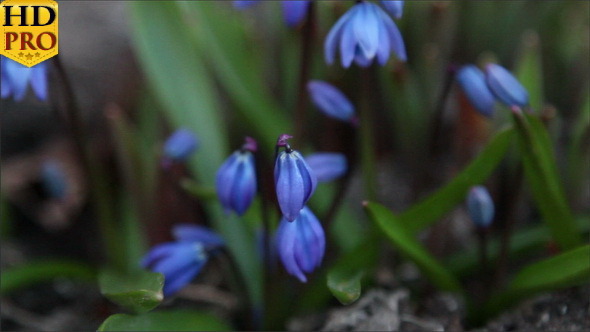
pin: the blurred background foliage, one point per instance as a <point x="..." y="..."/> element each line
<point x="225" y="74"/>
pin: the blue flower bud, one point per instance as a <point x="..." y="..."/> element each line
<point x="180" y="145"/>
<point x="236" y="180"/>
<point x="394" y="7"/>
<point x="472" y="82"/>
<point x="363" y="33"/>
<point x="241" y="4"/>
<point x="294" y="181"/>
<point x="480" y="206"/>
<point x="53" y="180"/>
<point x="182" y="260"/>
<point x="331" y="101"/>
<point x="301" y="244"/>
<point x="505" y="86"/>
<point x="295" y="11"/>
<point x="327" y="166"/>
<point x="15" y="78"/>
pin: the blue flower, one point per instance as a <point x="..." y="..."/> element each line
<point x="394" y="7"/>
<point x="294" y="180"/>
<point x="301" y="244"/>
<point x="53" y="179"/>
<point x="331" y="101"/>
<point x="363" y="33"/>
<point x="505" y="86"/>
<point x="473" y="84"/>
<point x="480" y="206"/>
<point x="236" y="179"/>
<point x="15" y="78"/>
<point x="182" y="260"/>
<point x="294" y="11"/>
<point x="327" y="166"/>
<point x="180" y="145"/>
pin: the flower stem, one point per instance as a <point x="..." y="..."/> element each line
<point x="304" y="69"/>
<point x="366" y="139"/>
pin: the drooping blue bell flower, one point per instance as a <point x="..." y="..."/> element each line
<point x="394" y="7"/>
<point x="505" y="86"/>
<point x="180" y="261"/>
<point x="236" y="179"/>
<point x="327" y="166"/>
<point x="364" y="33"/>
<point x="301" y="244"/>
<point x="294" y="180"/>
<point x="180" y="145"/>
<point x="294" y="11"/>
<point x="53" y="179"/>
<point x="331" y="101"/>
<point x="480" y="206"/>
<point x="473" y="83"/>
<point x="16" y="77"/>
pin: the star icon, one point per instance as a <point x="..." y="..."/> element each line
<point x="21" y="54"/>
<point x="37" y="54"/>
<point x="29" y="56"/>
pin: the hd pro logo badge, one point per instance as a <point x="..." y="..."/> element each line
<point x="29" y="30"/>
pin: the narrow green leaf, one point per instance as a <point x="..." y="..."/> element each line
<point x="445" y="199"/>
<point x="571" y="268"/>
<point x="521" y="243"/>
<point x="404" y="240"/>
<point x="223" y="39"/>
<point x="139" y="292"/>
<point x="177" y="75"/>
<point x="543" y="178"/>
<point x="345" y="287"/>
<point x="529" y="68"/>
<point x="31" y="273"/>
<point x="177" y="320"/>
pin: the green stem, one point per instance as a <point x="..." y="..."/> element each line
<point x="304" y="69"/>
<point x="366" y="143"/>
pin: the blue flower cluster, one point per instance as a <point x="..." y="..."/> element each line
<point x="181" y="260"/>
<point x="482" y="89"/>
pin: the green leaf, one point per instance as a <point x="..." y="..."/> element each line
<point x="31" y="273"/>
<point x="177" y="320"/>
<point x="571" y="268"/>
<point x="529" y="68"/>
<point x="522" y="242"/>
<point x="543" y="179"/>
<point x="205" y="193"/>
<point x="404" y="240"/>
<point x="139" y="291"/>
<point x="177" y="75"/>
<point x="223" y="39"/>
<point x="346" y="287"/>
<point x="445" y="199"/>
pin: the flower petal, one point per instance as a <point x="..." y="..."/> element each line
<point x="327" y="166"/>
<point x="505" y="86"/>
<point x="330" y="100"/>
<point x="294" y="11"/>
<point x="196" y="233"/>
<point x="472" y="82"/>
